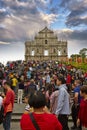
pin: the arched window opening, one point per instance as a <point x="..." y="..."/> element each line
<point x="37" y="50"/>
<point x="45" y="41"/>
<point x="45" y="52"/>
<point x="32" y="53"/>
<point x="54" y="50"/>
<point x="59" y="52"/>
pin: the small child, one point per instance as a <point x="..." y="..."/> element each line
<point x="27" y="107"/>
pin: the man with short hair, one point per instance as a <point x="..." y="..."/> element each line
<point x="63" y="108"/>
<point x="76" y="103"/>
<point x="8" y="103"/>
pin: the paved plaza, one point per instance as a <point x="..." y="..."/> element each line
<point x="16" y="126"/>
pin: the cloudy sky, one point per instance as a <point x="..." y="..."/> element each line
<point x="20" y="20"/>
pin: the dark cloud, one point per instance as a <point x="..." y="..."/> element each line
<point x="77" y="12"/>
<point x="78" y="35"/>
<point x="21" y="19"/>
<point x="22" y="0"/>
<point x="4" y="13"/>
<point x="75" y="21"/>
<point x="17" y="18"/>
<point x="19" y="7"/>
<point x="77" y="9"/>
<point x="24" y="10"/>
<point x="76" y="18"/>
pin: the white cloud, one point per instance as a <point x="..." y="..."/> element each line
<point x="1" y="42"/>
<point x="85" y="2"/>
<point x="23" y="4"/>
<point x="48" y="18"/>
<point x="2" y="10"/>
<point x="67" y="30"/>
<point x="2" y="26"/>
<point x="44" y="1"/>
<point x="84" y="17"/>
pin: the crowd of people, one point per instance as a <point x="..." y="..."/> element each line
<point x="52" y="91"/>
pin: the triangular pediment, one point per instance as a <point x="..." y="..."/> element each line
<point x="46" y="30"/>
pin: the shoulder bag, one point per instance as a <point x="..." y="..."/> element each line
<point x="34" y="121"/>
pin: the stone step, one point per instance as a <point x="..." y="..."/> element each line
<point x="19" y="110"/>
<point x="16" y="125"/>
<point x="16" y="118"/>
<point x="70" y="118"/>
<point x="17" y="100"/>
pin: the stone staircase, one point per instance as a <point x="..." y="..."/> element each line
<point x="17" y="111"/>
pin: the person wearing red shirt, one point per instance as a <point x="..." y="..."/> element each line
<point x="68" y="81"/>
<point x="8" y="103"/>
<point x="44" y="119"/>
<point x="82" y="115"/>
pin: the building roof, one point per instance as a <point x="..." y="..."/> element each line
<point x="46" y="30"/>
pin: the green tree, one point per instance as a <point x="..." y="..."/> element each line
<point x="83" y="53"/>
<point x="75" y="57"/>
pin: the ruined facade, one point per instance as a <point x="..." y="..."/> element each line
<point x="46" y="47"/>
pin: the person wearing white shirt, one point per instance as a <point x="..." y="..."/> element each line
<point x="1" y="101"/>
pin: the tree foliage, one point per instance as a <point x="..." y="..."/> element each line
<point x="83" y="52"/>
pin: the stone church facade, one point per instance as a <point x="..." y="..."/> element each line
<point x="46" y="47"/>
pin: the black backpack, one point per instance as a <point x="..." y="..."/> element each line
<point x="1" y="114"/>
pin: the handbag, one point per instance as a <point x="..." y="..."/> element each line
<point x="34" y="121"/>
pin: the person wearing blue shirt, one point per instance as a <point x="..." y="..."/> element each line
<point x="76" y="102"/>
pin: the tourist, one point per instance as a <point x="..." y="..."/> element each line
<point x="76" y="102"/>
<point x="1" y="108"/>
<point x="82" y="115"/>
<point x="26" y="86"/>
<point x="8" y="103"/>
<point x="14" y="83"/>
<point x="1" y="100"/>
<point x="54" y="101"/>
<point x="1" y="73"/>
<point x="63" y="108"/>
<point x="68" y="81"/>
<point x="20" y="91"/>
<point x="27" y="107"/>
<point x="44" y="119"/>
<point x="32" y="86"/>
<point x="48" y="94"/>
